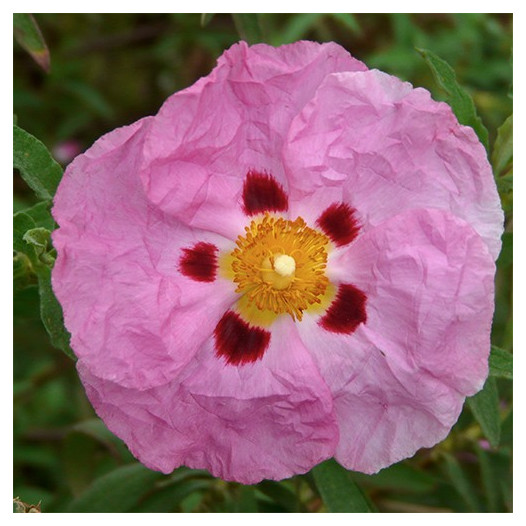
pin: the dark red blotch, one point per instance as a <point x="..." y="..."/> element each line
<point x="262" y="193"/>
<point x="199" y="262"/>
<point x="346" y="311"/>
<point x="238" y="342"/>
<point x="338" y="221"/>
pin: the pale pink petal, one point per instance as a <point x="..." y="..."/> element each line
<point x="134" y="318"/>
<point x="387" y="148"/>
<point x="387" y="414"/>
<point x="268" y="420"/>
<point x="206" y="138"/>
<point x="399" y="381"/>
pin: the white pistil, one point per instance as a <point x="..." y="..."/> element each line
<point x="284" y="265"/>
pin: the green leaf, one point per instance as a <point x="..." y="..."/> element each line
<point x="461" y="483"/>
<point x="39" y="237"/>
<point x="399" y="477"/>
<point x="38" y="169"/>
<point x="24" y="256"/>
<point x="485" y="408"/>
<point x="51" y="313"/>
<point x="489" y="479"/>
<point x="458" y="98"/>
<point x="169" y="498"/>
<point x="22" y="222"/>
<point x="206" y="18"/>
<point x="338" y="490"/>
<point x="117" y="491"/>
<point x="23" y="274"/>
<point x="41" y="215"/>
<point x="248" y="27"/>
<point x="500" y="363"/>
<point x="502" y="154"/>
<point x="246" y="500"/>
<point x="28" y="35"/>
<point x="349" y="21"/>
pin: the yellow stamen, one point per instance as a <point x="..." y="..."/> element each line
<point x="279" y="267"/>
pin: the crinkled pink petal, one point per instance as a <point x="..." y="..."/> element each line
<point x="268" y="420"/>
<point x="133" y="317"/>
<point x="388" y="148"/>
<point x="386" y="414"/>
<point x="400" y="380"/>
<point x="206" y="138"/>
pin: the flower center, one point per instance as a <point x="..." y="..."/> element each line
<point x="279" y="265"/>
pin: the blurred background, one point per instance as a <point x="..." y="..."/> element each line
<point x="108" y="70"/>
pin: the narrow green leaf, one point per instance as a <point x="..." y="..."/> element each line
<point x="500" y="363"/>
<point x="349" y="21"/>
<point x="51" y="313"/>
<point x="206" y="18"/>
<point x="458" y="98"/>
<point x="28" y="35"/>
<point x="485" y="408"/>
<point x="502" y="154"/>
<point x="248" y="27"/>
<point x="461" y="483"/>
<point x="338" y="490"/>
<point x="38" y="169"/>
<point x="489" y="480"/>
<point x="298" y="26"/>
<point x="117" y="491"/>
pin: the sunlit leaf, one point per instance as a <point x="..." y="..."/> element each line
<point x="500" y="363"/>
<point x="458" y="98"/>
<point x="38" y="169"/>
<point x="28" y="35"/>
<point x="206" y="18"/>
<point x="338" y="490"/>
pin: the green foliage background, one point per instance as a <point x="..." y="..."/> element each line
<point x="110" y="70"/>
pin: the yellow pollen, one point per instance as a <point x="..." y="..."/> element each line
<point x="279" y="266"/>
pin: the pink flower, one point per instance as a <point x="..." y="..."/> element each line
<point x="293" y="260"/>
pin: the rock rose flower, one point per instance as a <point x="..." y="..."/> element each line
<point x="293" y="260"/>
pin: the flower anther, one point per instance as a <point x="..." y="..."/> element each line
<point x="280" y="265"/>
